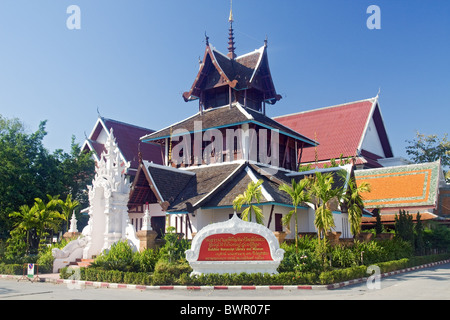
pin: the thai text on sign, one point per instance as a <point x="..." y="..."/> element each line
<point x="237" y="247"/>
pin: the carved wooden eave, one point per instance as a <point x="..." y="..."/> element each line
<point x="163" y="203"/>
<point x="154" y="184"/>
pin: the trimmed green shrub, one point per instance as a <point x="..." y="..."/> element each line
<point x="169" y="272"/>
<point x="14" y="269"/>
<point x="141" y="278"/>
<point x="339" y="275"/>
<point x="174" y="268"/>
<point x="181" y="275"/>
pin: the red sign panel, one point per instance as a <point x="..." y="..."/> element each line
<point x="237" y="247"/>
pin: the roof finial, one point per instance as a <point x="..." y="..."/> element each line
<point x="140" y="159"/>
<point x="231" y="47"/>
<point x="230" y="19"/>
<point x="206" y="39"/>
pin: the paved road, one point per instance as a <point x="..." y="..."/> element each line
<point x="429" y="284"/>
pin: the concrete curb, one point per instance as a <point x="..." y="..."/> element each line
<point x="81" y="284"/>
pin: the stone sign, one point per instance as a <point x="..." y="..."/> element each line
<point x="234" y="246"/>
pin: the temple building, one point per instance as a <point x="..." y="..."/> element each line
<point x="212" y="156"/>
<point x="188" y="174"/>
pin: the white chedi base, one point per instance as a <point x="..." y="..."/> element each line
<point x="108" y="212"/>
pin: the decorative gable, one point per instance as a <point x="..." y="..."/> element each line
<point x="411" y="186"/>
<point x="128" y="141"/>
<point x="354" y="130"/>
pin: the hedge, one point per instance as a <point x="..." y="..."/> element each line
<point x="174" y="277"/>
<point x="16" y="269"/>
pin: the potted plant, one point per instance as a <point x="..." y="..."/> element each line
<point x="333" y="237"/>
<point x="280" y="235"/>
<point x="364" y="236"/>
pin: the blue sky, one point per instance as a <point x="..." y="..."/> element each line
<point x="133" y="59"/>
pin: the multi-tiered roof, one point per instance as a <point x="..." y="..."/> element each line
<point x="232" y="92"/>
<point x="224" y="79"/>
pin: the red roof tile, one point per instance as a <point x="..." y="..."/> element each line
<point x="337" y="129"/>
<point x="390" y="218"/>
<point x="128" y="140"/>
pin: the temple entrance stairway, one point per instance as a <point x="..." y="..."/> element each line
<point x="81" y="263"/>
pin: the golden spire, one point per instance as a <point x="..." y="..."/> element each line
<point x="230" y="19"/>
<point x="231" y="47"/>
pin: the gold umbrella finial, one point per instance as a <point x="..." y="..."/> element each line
<point x="230" y="19"/>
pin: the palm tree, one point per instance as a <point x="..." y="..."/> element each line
<point x="323" y="192"/>
<point x="298" y="193"/>
<point x="35" y="220"/>
<point x="354" y="202"/>
<point x="253" y="193"/>
<point x="68" y="207"/>
<point x="47" y="215"/>
<point x="27" y="221"/>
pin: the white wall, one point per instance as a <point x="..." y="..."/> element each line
<point x="136" y="218"/>
<point x="102" y="136"/>
<point x="342" y="224"/>
<point x="204" y="217"/>
<point x="371" y="141"/>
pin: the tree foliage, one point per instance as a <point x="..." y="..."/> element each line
<point x="322" y="191"/>
<point x="249" y="197"/>
<point x="429" y="148"/>
<point x="76" y="170"/>
<point x="68" y="208"/>
<point x="323" y="194"/>
<point x="32" y="226"/>
<point x="299" y="193"/>
<point x="404" y="226"/>
<point x="29" y="171"/>
<point x="419" y="234"/>
<point x="353" y="200"/>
